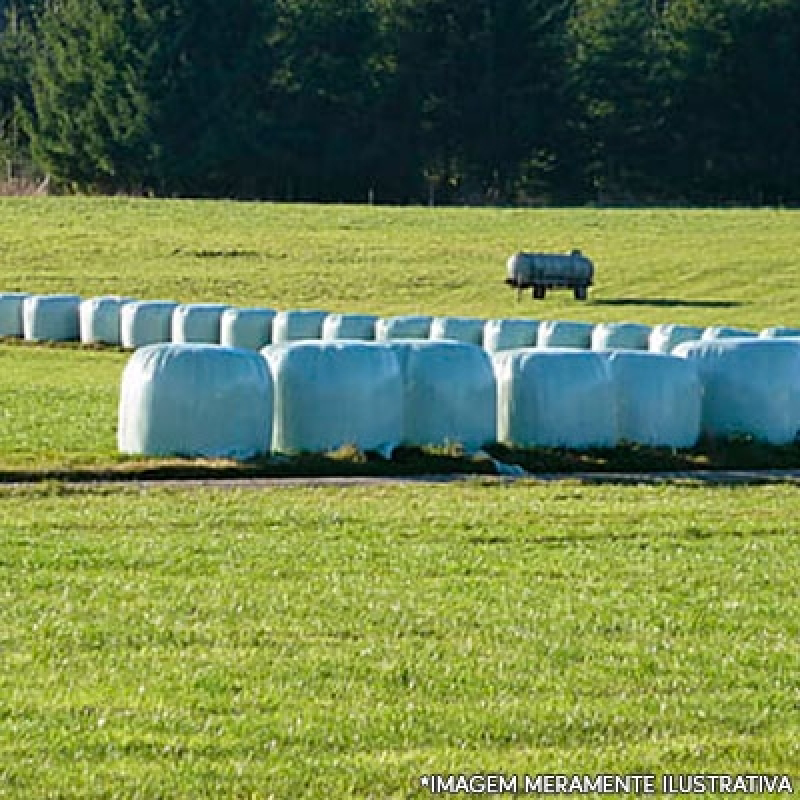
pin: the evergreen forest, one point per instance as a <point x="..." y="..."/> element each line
<point x="518" y="102"/>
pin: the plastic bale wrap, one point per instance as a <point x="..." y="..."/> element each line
<point x="248" y="328"/>
<point x="458" y="329"/>
<point x="196" y="400"/>
<point x="449" y="394"/>
<point x="509" y="334"/>
<point x="659" y="398"/>
<point x="297" y="326"/>
<point x="197" y="323"/>
<point x="406" y="327"/>
<point x="146" y="322"/>
<point x="561" y="333"/>
<point x="11" y="313"/>
<point x="665" y="338"/>
<point x="349" y="326"/>
<point x="723" y="332"/>
<point x="333" y="394"/>
<point x="751" y="386"/>
<point x="620" y="336"/>
<point x="779" y="332"/>
<point x="555" y="398"/>
<point x="101" y="320"/>
<point x="54" y="318"/>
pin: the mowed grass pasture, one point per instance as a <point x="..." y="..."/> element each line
<point x="340" y="642"/>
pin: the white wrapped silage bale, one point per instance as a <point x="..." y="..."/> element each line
<point x="146" y="322"/>
<point x="751" y="386"/>
<point x="249" y="328"/>
<point x="563" y="333"/>
<point x="509" y="334"/>
<point x="665" y="338"/>
<point x="100" y="319"/>
<point x="53" y="317"/>
<point x="449" y="393"/>
<point x="332" y="394"/>
<point x="11" y="313"/>
<point x="724" y="332"/>
<point x="620" y="336"/>
<point x="659" y="398"/>
<point x="458" y="329"/>
<point x="778" y="332"/>
<point x="197" y="323"/>
<point x="195" y="400"/>
<point x="555" y="398"/>
<point x="405" y="327"/>
<point x="297" y="326"/>
<point x="349" y="326"/>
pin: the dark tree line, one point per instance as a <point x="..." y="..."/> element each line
<point x="507" y="101"/>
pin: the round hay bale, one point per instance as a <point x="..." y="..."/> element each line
<point x="620" y="336"/>
<point x="54" y="318"/>
<point x="100" y="319"/>
<point x="665" y="338"/>
<point x="298" y="326"/>
<point x="197" y="323"/>
<point x="334" y="394"/>
<point x="509" y="334"/>
<point x="458" y="329"/>
<point x="11" y="313"/>
<point x="563" y="333"/>
<point x="249" y="328"/>
<point x="146" y="322"/>
<point x="349" y="326"/>
<point x="196" y="400"/>
<point x="658" y="397"/>
<point x="555" y="398"/>
<point x="413" y="326"/>
<point x="751" y="386"/>
<point x="449" y="393"/>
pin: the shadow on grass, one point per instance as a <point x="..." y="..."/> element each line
<point x="625" y="464"/>
<point x="663" y="302"/>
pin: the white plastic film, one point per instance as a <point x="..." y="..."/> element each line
<point x="54" y="317"/>
<point x="620" y="336"/>
<point x="249" y="328"/>
<point x="458" y="329"/>
<point x="509" y="334"/>
<point x="659" y="398"/>
<point x="197" y="323"/>
<point x="146" y="322"/>
<point x="11" y="313"/>
<point x="555" y="398"/>
<point x="563" y="333"/>
<point x="449" y="393"/>
<point x="196" y="400"/>
<point x="779" y="332"/>
<point x="298" y="326"/>
<point x="665" y="338"/>
<point x="724" y="332"/>
<point x="332" y="394"/>
<point x="100" y="320"/>
<point x="404" y="327"/>
<point x="349" y="326"/>
<point x="751" y="386"/>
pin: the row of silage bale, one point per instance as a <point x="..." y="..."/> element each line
<point x="376" y="396"/>
<point x="751" y="386"/>
<point x="11" y="314"/>
<point x="195" y="400"/>
<point x="200" y="400"/>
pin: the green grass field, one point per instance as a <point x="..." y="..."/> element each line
<point x="736" y="267"/>
<point x="327" y="642"/>
<point x="339" y="643"/>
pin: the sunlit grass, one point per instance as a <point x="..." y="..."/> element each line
<point x="328" y="642"/>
